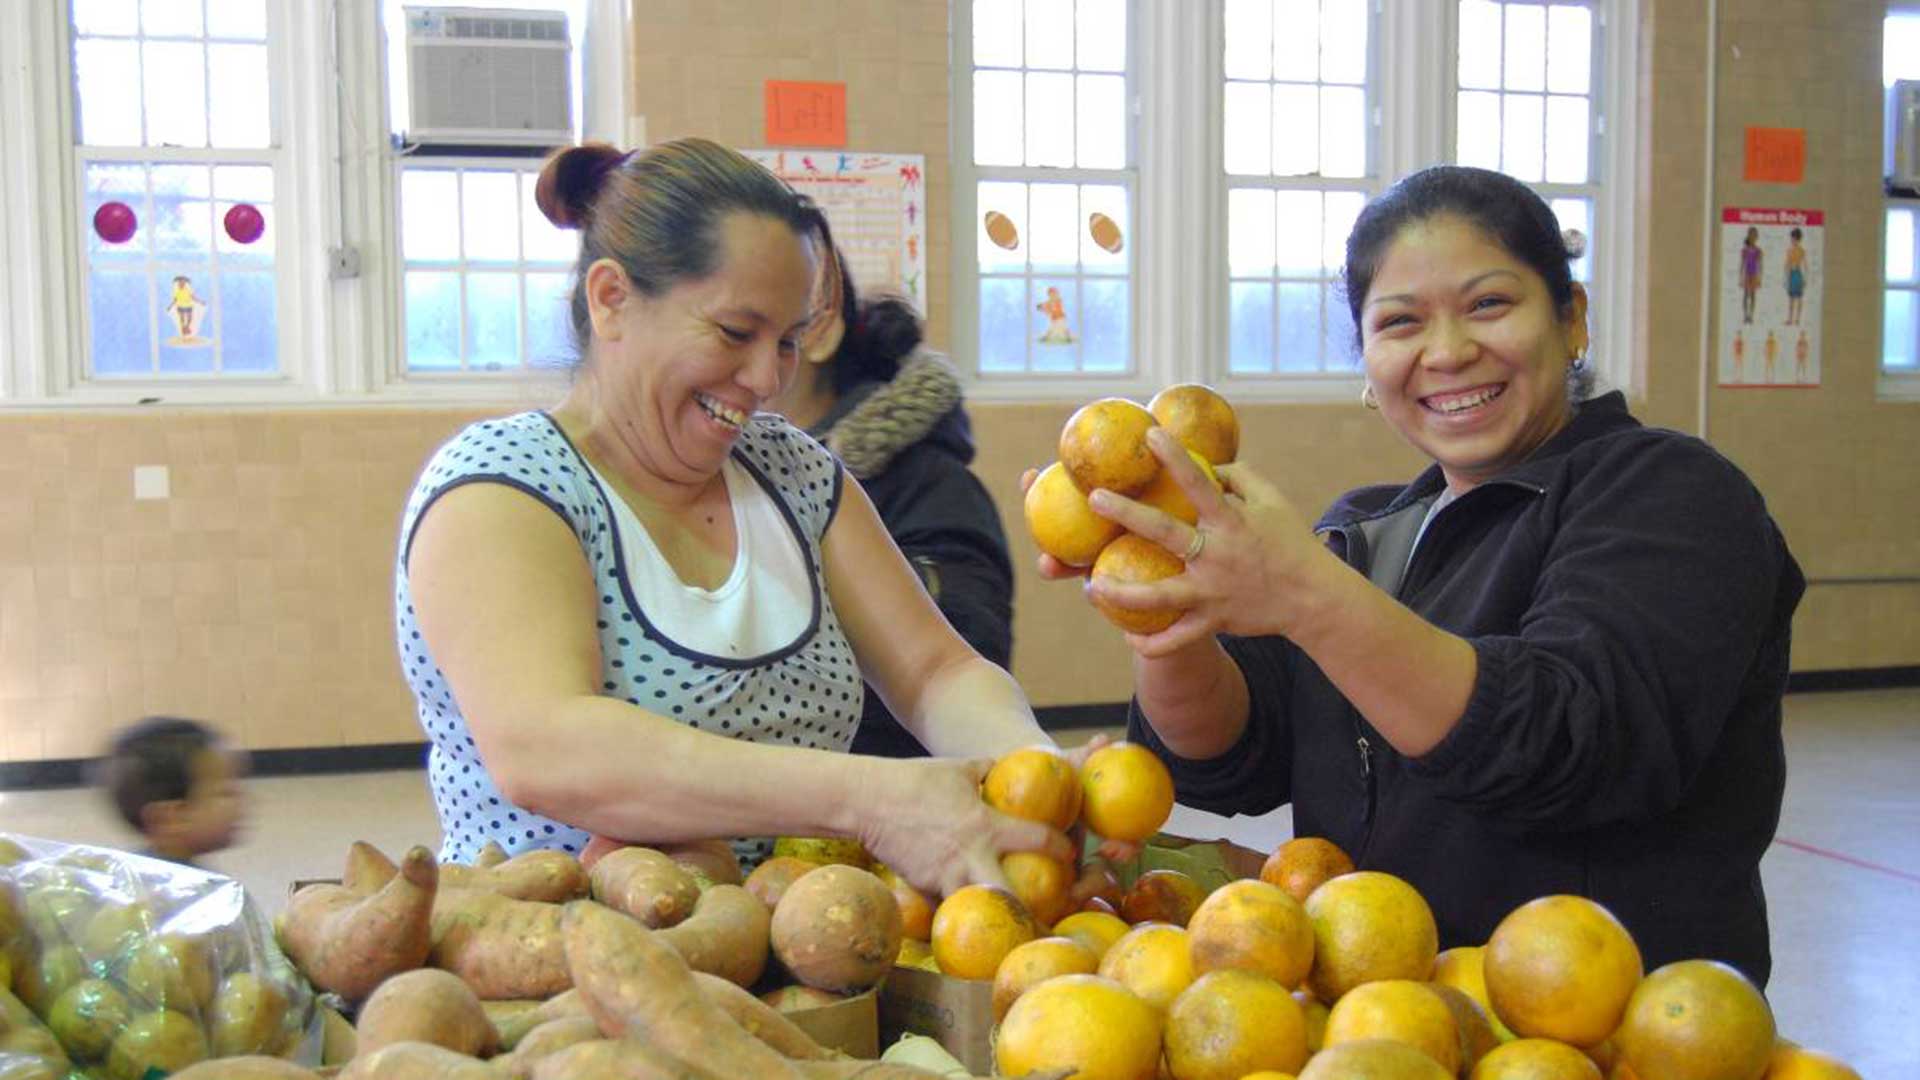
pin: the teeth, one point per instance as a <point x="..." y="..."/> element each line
<point x="720" y="411"/>
<point x="1458" y="404"/>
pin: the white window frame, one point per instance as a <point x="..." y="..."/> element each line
<point x="1893" y="385"/>
<point x="1181" y="298"/>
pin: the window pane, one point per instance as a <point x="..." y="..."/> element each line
<point x="250" y="339"/>
<point x="244" y="19"/>
<point x="233" y="252"/>
<point x="107" y="80"/>
<point x="171" y="18"/>
<point x="1478" y="129"/>
<point x="1567" y="141"/>
<point x="541" y="240"/>
<point x="1337" y="346"/>
<point x="1003" y="324"/>
<point x="1343" y="41"/>
<point x="1248" y="129"/>
<point x="176" y="93"/>
<point x="493" y="321"/>
<point x="1521" y="137"/>
<point x="120" y="311"/>
<point x="1900" y="246"/>
<point x="1343" y="131"/>
<point x="1297" y="222"/>
<point x="1569" y="49"/>
<point x="1250" y="231"/>
<point x="1049" y="119"/>
<point x="489" y="203"/>
<point x="1050" y="34"/>
<point x="1296" y="130"/>
<point x="1343" y="209"/>
<point x="1526" y="47"/>
<point x="1297" y="345"/>
<point x="243" y="183"/>
<point x="549" y="329"/>
<point x="430" y="214"/>
<point x="1003" y="240"/>
<point x="118" y="183"/>
<point x="1103" y="35"/>
<point x="1249" y="39"/>
<point x="240" y="95"/>
<point x="433" y="320"/>
<point x="997" y="127"/>
<point x="996" y="33"/>
<point x="1296" y="49"/>
<point x="182" y="209"/>
<point x="1577" y="214"/>
<point x="1055" y="320"/>
<point x="1900" y="55"/>
<point x="106" y="16"/>
<point x="1900" y="346"/>
<point x="1105" y="335"/>
<point x="191" y="324"/>
<point x="1054" y="228"/>
<point x="1102" y="127"/>
<point x="1106" y="229"/>
<point x="1250" y="327"/>
<point x="1479" y="44"/>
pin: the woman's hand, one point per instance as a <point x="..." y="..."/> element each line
<point x="1252" y="572"/>
<point x="924" y="818"/>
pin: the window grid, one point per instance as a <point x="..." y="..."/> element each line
<point x="1900" y="337"/>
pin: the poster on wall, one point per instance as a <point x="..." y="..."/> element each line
<point x="877" y="206"/>
<point x="1772" y="272"/>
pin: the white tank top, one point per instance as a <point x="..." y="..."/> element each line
<point x="765" y="603"/>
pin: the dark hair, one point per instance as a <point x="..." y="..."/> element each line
<point x="152" y="761"/>
<point x="657" y="212"/>
<point x="887" y="329"/>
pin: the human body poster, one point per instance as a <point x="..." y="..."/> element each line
<point x="1772" y="272"/>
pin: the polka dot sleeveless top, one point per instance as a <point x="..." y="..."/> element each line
<point x="807" y="693"/>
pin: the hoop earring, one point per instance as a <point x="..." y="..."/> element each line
<point x="1367" y="398"/>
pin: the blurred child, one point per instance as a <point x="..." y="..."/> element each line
<point x="178" y="783"/>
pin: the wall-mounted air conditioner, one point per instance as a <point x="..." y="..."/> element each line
<point x="1903" y="137"/>
<point x="488" y="77"/>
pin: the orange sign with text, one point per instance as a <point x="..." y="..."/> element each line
<point x="806" y="113"/>
<point x="1776" y="155"/>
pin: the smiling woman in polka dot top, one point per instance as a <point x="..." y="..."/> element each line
<point x="646" y="614"/>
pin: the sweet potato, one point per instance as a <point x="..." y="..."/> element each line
<point x="771" y="879"/>
<point x="349" y="943"/>
<point x="490" y="854"/>
<point x="848" y="1069"/>
<point x="417" y="1061"/>
<point x="504" y="948"/>
<point x="339" y="1043"/>
<point x="760" y="1020"/>
<point x="368" y="869"/>
<point x="711" y="862"/>
<point x="618" y="1059"/>
<point x="550" y="876"/>
<point x="726" y="935"/>
<point x="246" y="1067"/>
<point x="645" y="884"/>
<point x="838" y="929"/>
<point x="514" y="1019"/>
<point x="544" y="1041"/>
<point x="426" y="1006"/>
<point x="633" y="983"/>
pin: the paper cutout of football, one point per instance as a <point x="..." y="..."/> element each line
<point x="1105" y="232"/>
<point x="1001" y="230"/>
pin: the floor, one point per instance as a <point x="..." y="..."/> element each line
<point x="1843" y="878"/>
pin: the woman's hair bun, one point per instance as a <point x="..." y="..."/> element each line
<point x="1576" y="243"/>
<point x="571" y="180"/>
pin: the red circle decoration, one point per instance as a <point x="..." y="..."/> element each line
<point x="115" y="222"/>
<point x="245" y="223"/>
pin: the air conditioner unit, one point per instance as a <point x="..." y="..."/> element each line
<point x="1903" y="137"/>
<point x="488" y="77"/>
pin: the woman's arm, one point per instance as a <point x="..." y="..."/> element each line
<point x="1195" y="698"/>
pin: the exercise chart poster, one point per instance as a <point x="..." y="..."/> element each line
<point x="877" y="205"/>
<point x="1772" y="274"/>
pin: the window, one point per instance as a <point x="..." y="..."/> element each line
<point x="1900" y="313"/>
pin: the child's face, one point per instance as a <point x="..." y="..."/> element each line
<point x="211" y="816"/>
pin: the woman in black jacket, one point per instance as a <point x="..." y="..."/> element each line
<point x="1553" y="663"/>
<point x="891" y="409"/>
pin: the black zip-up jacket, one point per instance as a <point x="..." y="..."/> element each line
<point x="1629" y="600"/>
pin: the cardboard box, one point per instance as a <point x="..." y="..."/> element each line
<point x="851" y="1026"/>
<point x="956" y="1013"/>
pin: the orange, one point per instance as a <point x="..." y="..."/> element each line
<point x="1366" y="926"/>
<point x="1167" y="896"/>
<point x="1303" y="863"/>
<point x="1463" y="968"/>
<point x="1029" y="965"/>
<point x="1790" y="1062"/>
<point x="1136" y="560"/>
<point x="1696" y="1020"/>
<point x="1268" y="1074"/>
<point x="1561" y="967"/>
<point x="1034" y="783"/>
<point x="1092" y="1027"/>
<point x="1470" y="1019"/>
<point x="1097" y="881"/>
<point x="1166" y="495"/>
<point x="1252" y="926"/>
<point x="916" y="914"/>
<point x="1104" y="445"/>
<point x="1535" y="1059"/>
<point x="1153" y="961"/>
<point x="1401" y="1010"/>
<point x="1316" y="1014"/>
<point x="1041" y="882"/>
<point x="1373" y="1059"/>
<point x="1061" y="522"/>
<point x="912" y="953"/>
<point x="1230" y="1023"/>
<point x="1097" y="930"/>
<point x="976" y="927"/>
<point x="1128" y="792"/>
<point x="1200" y="418"/>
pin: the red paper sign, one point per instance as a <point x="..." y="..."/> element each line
<point x="1776" y="155"/>
<point x="806" y="113"/>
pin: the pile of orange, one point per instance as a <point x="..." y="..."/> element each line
<point x="1104" y="446"/>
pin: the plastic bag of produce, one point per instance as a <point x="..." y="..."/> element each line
<point x="132" y="968"/>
